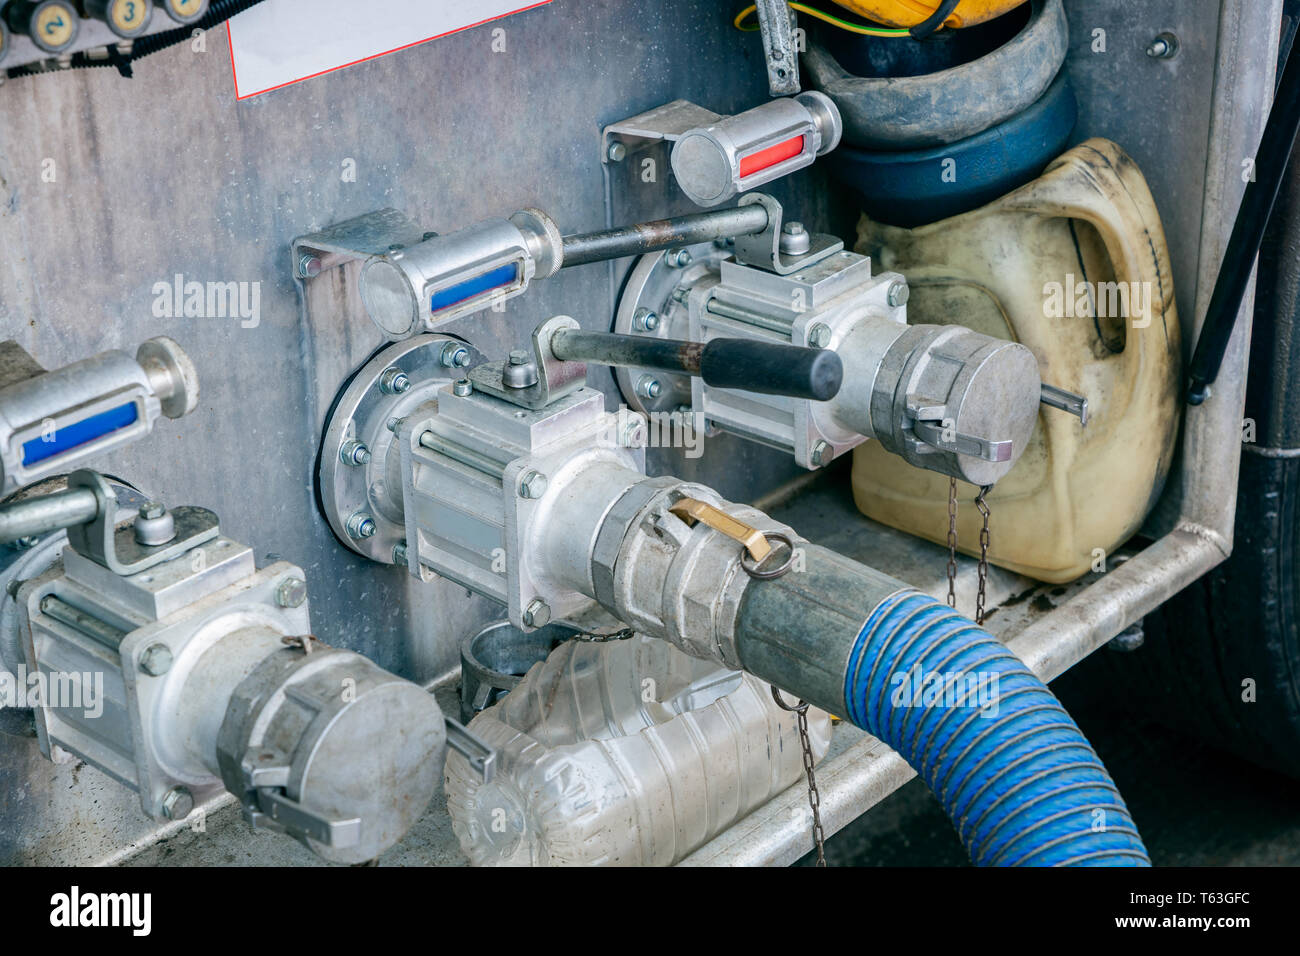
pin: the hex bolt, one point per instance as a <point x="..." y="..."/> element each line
<point x="677" y="258"/>
<point x="822" y="454"/>
<point x="353" y="452"/>
<point x="178" y="803"/>
<point x="538" y="613"/>
<point x="633" y="435"/>
<point x="794" y="240"/>
<point x="154" y="525"/>
<point x="520" y="370"/>
<point x="454" y="355"/>
<point x="532" y="485"/>
<point x="645" y="320"/>
<point x="617" y="152"/>
<point x="309" y="266"/>
<point x="393" y="424"/>
<point x="819" y="336"/>
<point x="462" y="387"/>
<point x="1163" y="47"/>
<point x="393" y="381"/>
<point x="400" y="554"/>
<point x="361" y="525"/>
<point x="898" y="293"/>
<point x="156" y="660"/>
<point x="649" y="387"/>
<point x="291" y="592"/>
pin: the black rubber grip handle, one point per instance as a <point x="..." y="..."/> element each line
<point x="771" y="369"/>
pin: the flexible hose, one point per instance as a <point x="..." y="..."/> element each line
<point x="1019" y="780"/>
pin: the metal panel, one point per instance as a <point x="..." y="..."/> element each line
<point x="108" y="187"/>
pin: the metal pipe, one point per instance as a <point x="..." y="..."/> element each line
<point x="466" y="456"/>
<point x="607" y="348"/>
<point x="83" y="623"/>
<point x="663" y="234"/>
<point x="764" y="367"/>
<point x="53" y="512"/>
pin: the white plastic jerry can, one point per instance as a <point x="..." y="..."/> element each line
<point x="1073" y="265"/>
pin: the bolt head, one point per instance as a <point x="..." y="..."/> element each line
<point x="152" y="510"/>
<point x="822" y="454"/>
<point x="394" y="381"/>
<point x="462" y="387"/>
<point x="400" y="554"/>
<point x="617" y="152"/>
<point x="354" y="453"/>
<point x="178" y="803"/>
<point x="532" y="485"/>
<point x="518" y="357"/>
<point x="633" y="435"/>
<point x="156" y="660"/>
<point x="454" y="355"/>
<point x="677" y="258"/>
<point x="898" y="294"/>
<point x="793" y="229"/>
<point x="819" y="336"/>
<point x="537" y="613"/>
<point x="291" y="592"/>
<point x="361" y="525"/>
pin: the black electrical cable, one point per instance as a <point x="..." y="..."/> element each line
<point x="1257" y="203"/>
<point x="934" y="21"/>
<point x="218" y="12"/>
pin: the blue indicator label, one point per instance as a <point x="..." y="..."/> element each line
<point x="79" y="433"/>
<point x="462" y="291"/>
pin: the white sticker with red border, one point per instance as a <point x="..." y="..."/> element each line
<point x="283" y="41"/>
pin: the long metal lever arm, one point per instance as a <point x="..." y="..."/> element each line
<point x="751" y="366"/>
<point x="53" y="512"/>
<point x="660" y="234"/>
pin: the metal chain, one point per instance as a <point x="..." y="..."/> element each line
<point x="594" y="637"/>
<point x="981" y="595"/>
<point x="814" y="797"/>
<point x="952" y="543"/>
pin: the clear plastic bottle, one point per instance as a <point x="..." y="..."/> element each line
<point x="627" y="753"/>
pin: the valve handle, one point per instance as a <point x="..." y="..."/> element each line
<point x="764" y="367"/>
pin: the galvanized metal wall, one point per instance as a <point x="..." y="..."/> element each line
<point x="110" y="186"/>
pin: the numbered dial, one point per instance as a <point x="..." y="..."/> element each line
<point x="127" y="18"/>
<point x="185" y="11"/>
<point x="51" y="24"/>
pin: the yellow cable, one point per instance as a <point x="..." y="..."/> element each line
<point x="826" y="18"/>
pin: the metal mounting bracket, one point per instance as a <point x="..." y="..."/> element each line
<point x="763" y="250"/>
<point x="116" y="548"/>
<point x="372" y="234"/>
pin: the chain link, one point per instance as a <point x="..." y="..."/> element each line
<point x="952" y="543"/>
<point x="814" y="797"/>
<point x="981" y="595"/>
<point x="595" y="637"/>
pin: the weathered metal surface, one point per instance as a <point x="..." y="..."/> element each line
<point x="110" y="189"/>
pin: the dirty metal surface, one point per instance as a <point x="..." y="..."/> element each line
<point x="110" y="189"/>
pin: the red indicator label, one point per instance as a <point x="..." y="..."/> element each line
<point x="765" y="158"/>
